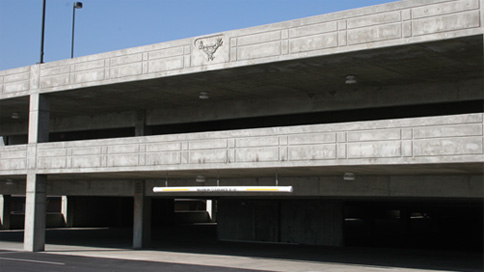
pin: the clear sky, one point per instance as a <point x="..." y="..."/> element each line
<point x="107" y="25"/>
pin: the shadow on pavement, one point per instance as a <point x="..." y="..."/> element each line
<point x="201" y="239"/>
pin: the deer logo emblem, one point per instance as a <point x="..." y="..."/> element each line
<point x="210" y="49"/>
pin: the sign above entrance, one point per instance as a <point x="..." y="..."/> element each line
<point x="224" y="189"/>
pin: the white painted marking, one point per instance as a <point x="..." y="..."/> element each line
<point x="30" y="261"/>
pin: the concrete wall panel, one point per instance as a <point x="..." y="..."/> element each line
<point x="446" y="23"/>
<point x="257" y="154"/>
<point x="312" y="152"/>
<point x="164" y="158"/>
<point x="259" y="38"/>
<point x="86" y="162"/>
<point x="310" y="222"/>
<point x="165" y="64"/>
<point x="445" y="8"/>
<point x="133" y="58"/>
<point x="371" y="20"/>
<point x="315" y="138"/>
<point x="374" y="34"/>
<point x="374" y="135"/>
<point x="448" y="131"/>
<point x="208" y="156"/>
<point x="257" y="51"/>
<point x="126" y="70"/>
<point x="51" y="163"/>
<point x="313" y="43"/>
<point x="374" y="150"/>
<point x="442" y="147"/>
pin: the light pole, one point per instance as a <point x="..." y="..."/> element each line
<point x="42" y="35"/>
<point x="77" y="5"/>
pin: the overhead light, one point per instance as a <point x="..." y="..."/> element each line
<point x="200" y="178"/>
<point x="15" y="115"/>
<point x="349" y="176"/>
<point x="203" y="95"/>
<point x="9" y="182"/>
<point x="351" y="79"/>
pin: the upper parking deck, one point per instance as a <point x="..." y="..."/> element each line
<point x="394" y="24"/>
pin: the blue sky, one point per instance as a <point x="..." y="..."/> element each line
<point x="107" y="25"/>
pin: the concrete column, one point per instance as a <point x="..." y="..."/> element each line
<point x="142" y="217"/>
<point x="35" y="196"/>
<point x="34" y="235"/>
<point x="67" y="210"/>
<point x="211" y="208"/>
<point x="5" y="209"/>
<point x="39" y="116"/>
<point x="140" y="124"/>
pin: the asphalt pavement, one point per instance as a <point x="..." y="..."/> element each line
<point x="192" y="248"/>
<point x="34" y="262"/>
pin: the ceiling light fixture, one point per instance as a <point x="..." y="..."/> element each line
<point x="200" y="179"/>
<point x="349" y="176"/>
<point x="15" y="115"/>
<point x="350" y="79"/>
<point x="204" y="95"/>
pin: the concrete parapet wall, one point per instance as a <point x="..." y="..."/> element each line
<point x="373" y="27"/>
<point x="430" y="140"/>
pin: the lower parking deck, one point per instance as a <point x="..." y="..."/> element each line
<point x="196" y="244"/>
<point x="431" y="224"/>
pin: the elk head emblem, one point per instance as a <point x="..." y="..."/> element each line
<point x="210" y="49"/>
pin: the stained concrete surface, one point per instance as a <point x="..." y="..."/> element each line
<point x="196" y="245"/>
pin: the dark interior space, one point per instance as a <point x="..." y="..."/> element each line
<point x="449" y="225"/>
<point x="353" y="115"/>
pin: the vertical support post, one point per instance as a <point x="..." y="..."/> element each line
<point x="5" y="208"/>
<point x="67" y="210"/>
<point x="39" y="119"/>
<point x="35" y="196"/>
<point x="139" y="129"/>
<point x="142" y="217"/>
<point x="211" y="209"/>
<point x="35" y="202"/>
<point x="140" y="124"/>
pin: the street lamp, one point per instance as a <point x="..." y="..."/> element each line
<point x="42" y="35"/>
<point x="77" y="5"/>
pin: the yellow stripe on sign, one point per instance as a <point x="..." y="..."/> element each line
<point x="175" y="190"/>
<point x="261" y="189"/>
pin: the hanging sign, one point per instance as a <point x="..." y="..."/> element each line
<point x="224" y="189"/>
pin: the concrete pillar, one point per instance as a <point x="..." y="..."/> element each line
<point x="67" y="210"/>
<point x="211" y="208"/>
<point x="140" y="124"/>
<point x="34" y="235"/>
<point x="35" y="196"/>
<point x="39" y="116"/>
<point x="5" y="209"/>
<point x="142" y="217"/>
